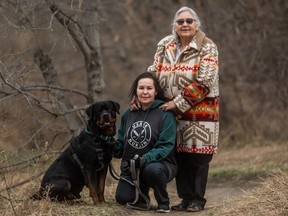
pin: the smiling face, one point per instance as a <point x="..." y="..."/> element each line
<point x="186" y="31"/>
<point x="146" y="92"/>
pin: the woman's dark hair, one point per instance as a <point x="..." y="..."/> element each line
<point x="133" y="89"/>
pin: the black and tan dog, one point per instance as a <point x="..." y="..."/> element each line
<point x="86" y="160"/>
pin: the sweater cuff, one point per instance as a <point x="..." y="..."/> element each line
<point x="151" y="69"/>
<point x="181" y="103"/>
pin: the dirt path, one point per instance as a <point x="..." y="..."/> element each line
<point x="216" y="194"/>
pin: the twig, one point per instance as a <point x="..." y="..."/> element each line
<point x="9" y="196"/>
<point x="49" y="88"/>
<point x="7" y="188"/>
<point x="32" y="137"/>
<point x="30" y="161"/>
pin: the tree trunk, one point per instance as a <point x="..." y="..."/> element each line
<point x="51" y="77"/>
<point x="93" y="62"/>
<point x="88" y="42"/>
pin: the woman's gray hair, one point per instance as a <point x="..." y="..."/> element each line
<point x="181" y="10"/>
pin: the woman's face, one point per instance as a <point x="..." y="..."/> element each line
<point x="146" y="92"/>
<point x="186" y="30"/>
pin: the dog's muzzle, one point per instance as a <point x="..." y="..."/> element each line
<point x="107" y="123"/>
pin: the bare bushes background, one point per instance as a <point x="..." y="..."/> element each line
<point x="252" y="43"/>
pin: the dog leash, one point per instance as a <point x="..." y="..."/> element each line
<point x="113" y="172"/>
<point x="135" y="173"/>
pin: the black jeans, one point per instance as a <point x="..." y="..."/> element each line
<point x="154" y="175"/>
<point x="191" y="179"/>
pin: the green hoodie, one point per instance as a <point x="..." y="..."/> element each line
<point x="150" y="133"/>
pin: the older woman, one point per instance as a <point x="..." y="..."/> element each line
<point x="186" y="65"/>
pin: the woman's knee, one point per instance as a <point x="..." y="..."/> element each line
<point x="121" y="198"/>
<point x="155" y="172"/>
<point x="124" y="193"/>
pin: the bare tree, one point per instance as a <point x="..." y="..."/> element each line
<point x="44" y="104"/>
<point x="20" y="15"/>
<point x="88" y="41"/>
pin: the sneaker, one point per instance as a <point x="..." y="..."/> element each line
<point x="194" y="207"/>
<point x="162" y="208"/>
<point x="182" y="206"/>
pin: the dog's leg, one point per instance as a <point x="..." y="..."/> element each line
<point x="101" y="183"/>
<point x="56" y="190"/>
<point x="91" y="185"/>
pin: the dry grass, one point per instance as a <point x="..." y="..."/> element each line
<point x="268" y="200"/>
<point x="17" y="202"/>
<point x="250" y="160"/>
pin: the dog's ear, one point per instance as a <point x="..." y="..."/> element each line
<point x="117" y="106"/>
<point x="89" y="111"/>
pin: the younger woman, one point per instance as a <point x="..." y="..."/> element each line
<point x="149" y="132"/>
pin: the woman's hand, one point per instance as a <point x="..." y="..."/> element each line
<point x="134" y="104"/>
<point x="170" y="105"/>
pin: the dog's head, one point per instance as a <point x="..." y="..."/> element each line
<point x="102" y="117"/>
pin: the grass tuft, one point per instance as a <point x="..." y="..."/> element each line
<point x="268" y="200"/>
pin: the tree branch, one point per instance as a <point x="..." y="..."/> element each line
<point x="73" y="28"/>
<point x="51" y="77"/>
<point x="88" y="43"/>
<point x="7" y="188"/>
<point x="50" y="88"/>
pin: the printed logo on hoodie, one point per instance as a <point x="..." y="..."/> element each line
<point x="139" y="134"/>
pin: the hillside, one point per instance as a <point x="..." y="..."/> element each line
<point x="252" y="80"/>
<point x="251" y="36"/>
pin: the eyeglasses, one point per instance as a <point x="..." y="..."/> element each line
<point x="189" y="21"/>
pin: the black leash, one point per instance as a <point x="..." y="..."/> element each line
<point x="113" y="173"/>
<point x="135" y="178"/>
<point x="135" y="173"/>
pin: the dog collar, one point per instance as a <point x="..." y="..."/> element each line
<point x="103" y="137"/>
<point x="106" y="138"/>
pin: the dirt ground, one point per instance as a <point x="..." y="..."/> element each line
<point x="246" y="161"/>
<point x="216" y="193"/>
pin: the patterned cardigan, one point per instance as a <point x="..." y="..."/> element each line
<point x="191" y="80"/>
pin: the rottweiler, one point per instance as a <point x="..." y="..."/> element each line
<point x="86" y="161"/>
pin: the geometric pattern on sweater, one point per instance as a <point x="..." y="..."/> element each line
<point x="197" y="137"/>
<point x="208" y="64"/>
<point x="195" y="93"/>
<point x="195" y="132"/>
<point x="194" y="149"/>
<point x="181" y="104"/>
<point x="206" y="110"/>
<point x="198" y="115"/>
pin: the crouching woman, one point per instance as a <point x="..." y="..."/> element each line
<point x="146" y="135"/>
